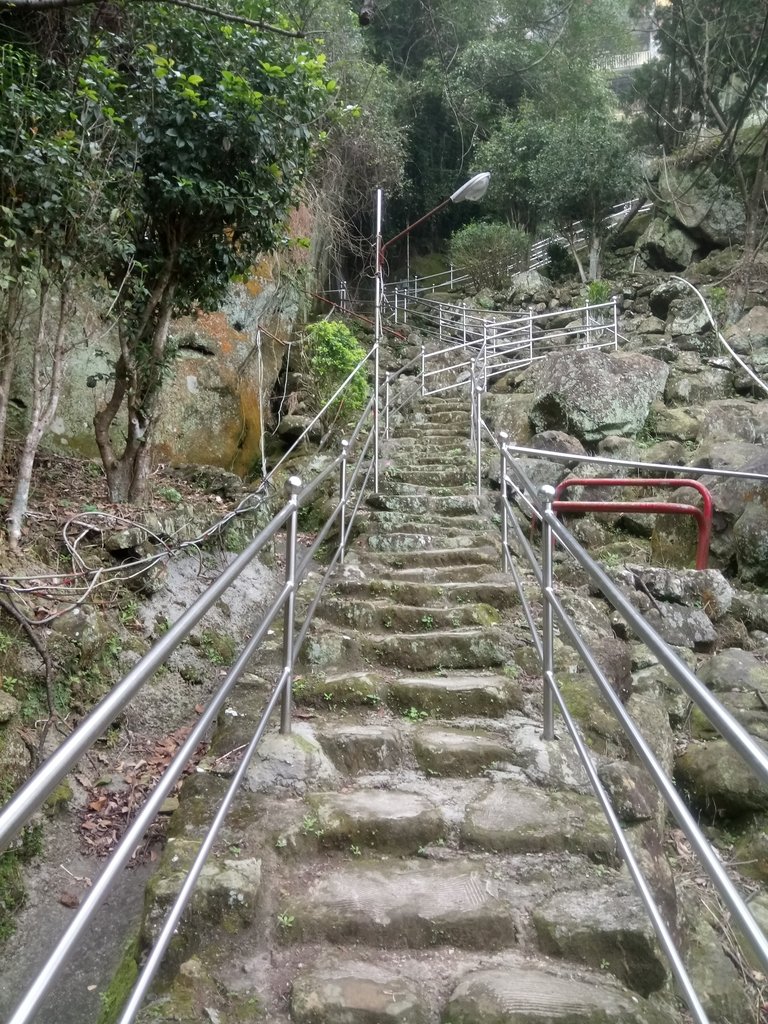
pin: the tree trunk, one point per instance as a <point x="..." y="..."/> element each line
<point x="8" y="345"/>
<point x="137" y="386"/>
<point x="47" y="361"/>
<point x="595" y="254"/>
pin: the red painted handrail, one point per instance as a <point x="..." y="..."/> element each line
<point x="703" y="516"/>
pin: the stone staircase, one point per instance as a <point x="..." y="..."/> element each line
<point x="414" y="852"/>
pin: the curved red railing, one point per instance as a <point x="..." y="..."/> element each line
<point x="703" y="516"/>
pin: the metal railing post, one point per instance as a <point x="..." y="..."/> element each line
<point x="616" y="322"/>
<point x="386" y="407"/>
<point x="397" y="305"/>
<point x="547" y="494"/>
<point x="343" y="499"/>
<point x="343" y="291"/>
<point x="464" y="320"/>
<point x="405" y="304"/>
<point x="415" y="286"/>
<point x="530" y="334"/>
<point x="423" y="371"/>
<point x="478" y="437"/>
<point x="292" y="487"/>
<point x="503" y="438"/>
<point x="451" y="278"/>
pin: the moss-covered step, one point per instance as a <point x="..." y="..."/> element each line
<point x="355" y="747"/>
<point x="512" y="817"/>
<point x="458" y="752"/>
<point x="424" y="505"/>
<point x="457" y="695"/>
<point x="447" y="649"/>
<point x="384" y="616"/>
<point x="396" y="486"/>
<point x="487" y="555"/>
<point x="547" y="995"/>
<point x="356" y="992"/>
<point x="373" y="520"/>
<point x="498" y="595"/>
<point x="438" y="475"/>
<point x="606" y="928"/>
<point x="412" y="904"/>
<point x="472" y="572"/>
<point x="423" y="539"/>
<point x="383" y="820"/>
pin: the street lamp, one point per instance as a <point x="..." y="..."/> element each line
<point x="471" y="191"/>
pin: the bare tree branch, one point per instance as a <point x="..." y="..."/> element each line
<point x="213" y="12"/>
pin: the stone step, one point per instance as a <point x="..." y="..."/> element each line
<point x="434" y="556"/>
<point x="447" y="649"/>
<point x="412" y="904"/>
<point x="387" y="821"/>
<point x="456" y="695"/>
<point x="403" y="522"/>
<point x="439" y="476"/>
<point x="452" y="753"/>
<point x="421" y="539"/>
<point x="423" y="505"/>
<point x="421" y="594"/>
<point x="431" y="417"/>
<point x="383" y="616"/>
<point x="394" y="486"/>
<point x="441" y="433"/>
<point x="472" y="573"/>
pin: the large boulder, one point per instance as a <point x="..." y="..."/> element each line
<point x="702" y="204"/>
<point x="735" y="418"/>
<point x="593" y="394"/>
<point x="530" y="286"/>
<point x="750" y="333"/>
<point x="666" y="247"/>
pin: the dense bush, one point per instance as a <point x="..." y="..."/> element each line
<point x="487" y="251"/>
<point x="561" y="262"/>
<point x="332" y="353"/>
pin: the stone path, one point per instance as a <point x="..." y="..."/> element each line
<point x="414" y="852"/>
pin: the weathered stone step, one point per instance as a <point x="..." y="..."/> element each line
<point x="422" y="594"/>
<point x="381" y="616"/>
<point x="430" y="557"/>
<point x="394" y="486"/>
<point x="447" y="649"/>
<point x="422" y="505"/>
<point x="431" y="417"/>
<point x="456" y="694"/>
<point x="403" y="522"/>
<point x="452" y="753"/>
<point x="440" y="475"/>
<point x="437" y="574"/>
<point x="387" y="821"/>
<point x="415" y="540"/>
<point x="402" y="904"/>
<point x="436" y="435"/>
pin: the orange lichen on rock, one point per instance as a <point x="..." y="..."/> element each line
<point x="217" y="327"/>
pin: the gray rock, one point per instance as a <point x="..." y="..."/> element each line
<point x="752" y="609"/>
<point x="662" y="297"/>
<point x="750" y="541"/>
<point x="666" y="247"/>
<point x="361" y="748"/>
<point x="696" y="388"/>
<point x="291" y="763"/>
<point x="633" y="796"/>
<point x="735" y="418"/>
<point x="456" y="752"/>
<point x="734" y="670"/>
<point x="682" y="626"/>
<point x="530" y="286"/>
<point x="606" y="928"/>
<point x="677" y="423"/>
<point x="719" y="780"/>
<point x="703" y="204"/>
<point x="593" y="394"/>
<point x="356" y="992"/>
<point x="9" y="707"/>
<point x="706" y="588"/>
<point x="687" y="317"/>
<point x="750" y="333"/>
<point x="540" y="995"/>
<point x="717" y="981"/>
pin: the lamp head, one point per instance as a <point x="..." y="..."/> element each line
<point x="472" y="190"/>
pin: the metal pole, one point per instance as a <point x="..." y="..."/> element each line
<point x="464" y="319"/>
<point x="405" y="304"/>
<point x="423" y="371"/>
<point x="415" y="286"/>
<point x="547" y="494"/>
<point x="397" y="305"/>
<point x="342" y="499"/>
<point x="503" y="438"/>
<point x="292" y="488"/>
<point x="377" y="342"/>
<point x="451" y="284"/>
<point x="478" y="438"/>
<point x="615" y="322"/>
<point x="386" y="408"/>
<point x="530" y="334"/>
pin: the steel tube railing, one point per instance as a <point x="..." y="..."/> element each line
<point x="144" y="818"/>
<point x="547" y="494"/>
<point x="173" y="917"/>
<point x="63" y="760"/>
<point x="293" y="488"/>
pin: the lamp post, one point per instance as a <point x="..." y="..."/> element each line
<point x="471" y="191"/>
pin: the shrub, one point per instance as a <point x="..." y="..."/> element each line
<point x="597" y="292"/>
<point x="486" y="251"/>
<point x="561" y="262"/>
<point x="332" y="354"/>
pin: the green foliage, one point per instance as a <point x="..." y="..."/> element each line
<point x="12" y="894"/>
<point x="561" y="262"/>
<point x="597" y="292"/>
<point x="332" y="354"/>
<point x="485" y="251"/>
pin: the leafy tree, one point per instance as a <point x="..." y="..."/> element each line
<point x="333" y="353"/>
<point x="216" y="133"/>
<point x="583" y="169"/>
<point x="711" y="78"/>
<point x="488" y="251"/>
